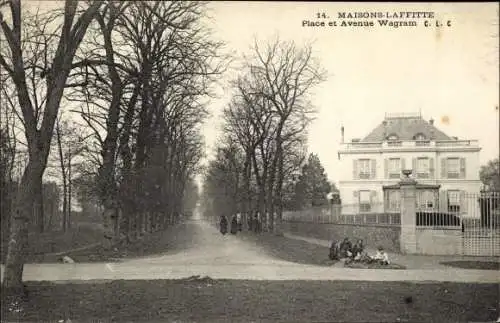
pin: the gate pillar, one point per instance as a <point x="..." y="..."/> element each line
<point x="408" y="236"/>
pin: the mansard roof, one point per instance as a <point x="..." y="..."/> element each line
<point x="405" y="127"/>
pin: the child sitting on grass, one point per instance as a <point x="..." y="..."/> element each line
<point x="381" y="256"/>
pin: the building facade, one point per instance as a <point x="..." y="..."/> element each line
<point x="445" y="167"/>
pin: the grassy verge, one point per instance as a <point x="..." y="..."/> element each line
<point x="41" y="244"/>
<point x="288" y="249"/>
<point x="245" y="301"/>
<point x="469" y="264"/>
<point x="169" y="241"/>
<point x="300" y="251"/>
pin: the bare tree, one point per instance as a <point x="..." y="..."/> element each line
<point x="285" y="75"/>
<point x="159" y="63"/>
<point x="268" y="118"/>
<point x="70" y="144"/>
<point x="38" y="126"/>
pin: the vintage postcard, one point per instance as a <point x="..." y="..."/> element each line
<point x="185" y="161"/>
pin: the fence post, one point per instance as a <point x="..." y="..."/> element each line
<point x="408" y="238"/>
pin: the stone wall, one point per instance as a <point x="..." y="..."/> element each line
<point x="439" y="241"/>
<point x="372" y="235"/>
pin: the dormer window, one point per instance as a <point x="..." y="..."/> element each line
<point x="393" y="140"/>
<point x="419" y="137"/>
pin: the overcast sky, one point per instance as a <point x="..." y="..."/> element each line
<point x="450" y="71"/>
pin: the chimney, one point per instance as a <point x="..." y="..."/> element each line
<point x="385" y="128"/>
<point x="431" y="122"/>
<point x="342" y="133"/>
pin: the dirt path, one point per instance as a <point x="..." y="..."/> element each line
<point x="210" y="247"/>
<point x="227" y="257"/>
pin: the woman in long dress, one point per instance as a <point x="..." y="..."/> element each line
<point x="223" y="224"/>
<point x="234" y="225"/>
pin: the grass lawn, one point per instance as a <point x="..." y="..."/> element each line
<point x="40" y="244"/>
<point x="469" y="264"/>
<point x="300" y="251"/>
<point x="288" y="249"/>
<point x="246" y="301"/>
<point x="172" y="240"/>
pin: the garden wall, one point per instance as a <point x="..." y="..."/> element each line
<point x="386" y="236"/>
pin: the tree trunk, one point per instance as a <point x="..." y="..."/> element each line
<point x="68" y="220"/>
<point x="38" y="213"/>
<point x="65" y="205"/>
<point x="23" y="211"/>
<point x="261" y="183"/>
<point x="63" y="174"/>
<point x="247" y="175"/>
<point x="279" y="194"/>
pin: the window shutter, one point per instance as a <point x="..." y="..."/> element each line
<point x="403" y="166"/>
<point x="386" y="168"/>
<point x="443" y="168"/>
<point x="431" y="167"/>
<point x="414" y="165"/>
<point x="354" y="169"/>
<point x="374" y="169"/>
<point x="462" y="168"/>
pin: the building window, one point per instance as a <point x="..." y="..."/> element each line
<point x="453" y="167"/>
<point x="393" y="200"/>
<point x="394" y="167"/>
<point x="420" y="137"/>
<point x="453" y="201"/>
<point x="421" y="140"/>
<point x="423" y="167"/>
<point x="365" y="201"/>
<point x="393" y="140"/>
<point x="364" y="168"/>
<point x="426" y="199"/>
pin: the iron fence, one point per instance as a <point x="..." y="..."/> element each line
<point x="345" y="214"/>
<point x="458" y="209"/>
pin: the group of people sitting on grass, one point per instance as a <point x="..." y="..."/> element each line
<point x="345" y="250"/>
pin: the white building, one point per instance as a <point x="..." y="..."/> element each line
<point x="445" y="167"/>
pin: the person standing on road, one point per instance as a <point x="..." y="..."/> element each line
<point x="250" y="221"/>
<point x="238" y="219"/>
<point x="234" y="225"/>
<point x="223" y="225"/>
<point x="256" y="223"/>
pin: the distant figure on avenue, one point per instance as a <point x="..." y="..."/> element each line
<point x="346" y="248"/>
<point x="256" y="223"/>
<point x="234" y="225"/>
<point x="250" y="222"/>
<point x="223" y="225"/>
<point x="238" y="219"/>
